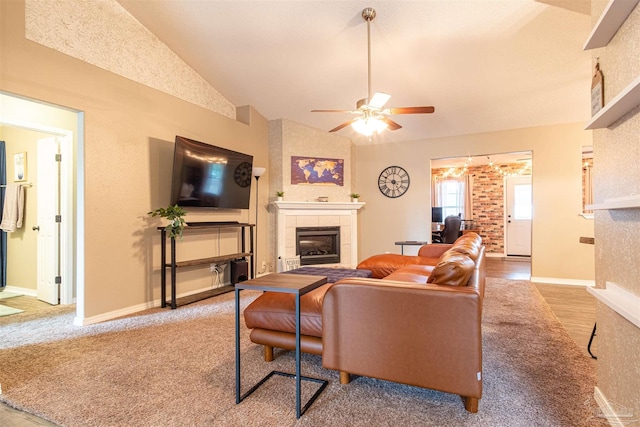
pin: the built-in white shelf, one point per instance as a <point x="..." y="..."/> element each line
<point x="627" y="202"/>
<point x="624" y="102"/>
<point x="619" y="300"/>
<point x="609" y="22"/>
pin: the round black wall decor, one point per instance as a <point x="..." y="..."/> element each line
<point x="393" y="181"/>
<point x="242" y="174"/>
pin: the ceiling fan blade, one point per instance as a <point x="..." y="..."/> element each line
<point x="412" y="110"/>
<point x="330" y="111"/>
<point x="343" y="125"/>
<point x="378" y="100"/>
<point x="391" y="125"/>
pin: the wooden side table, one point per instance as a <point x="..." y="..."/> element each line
<point x="298" y="285"/>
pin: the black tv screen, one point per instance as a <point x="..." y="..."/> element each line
<point x="208" y="176"/>
<point x="436" y="214"/>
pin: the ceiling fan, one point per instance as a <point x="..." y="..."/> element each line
<point x="371" y="116"/>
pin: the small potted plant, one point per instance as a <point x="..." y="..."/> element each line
<point x="175" y="216"/>
<point x="355" y="197"/>
<point x="279" y="194"/>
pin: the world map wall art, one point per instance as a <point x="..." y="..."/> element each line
<point x="317" y="171"/>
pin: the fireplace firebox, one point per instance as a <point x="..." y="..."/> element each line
<point x="318" y="245"/>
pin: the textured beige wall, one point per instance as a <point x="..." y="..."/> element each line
<point x="617" y="232"/>
<point x="129" y="131"/>
<point x="557" y="194"/>
<point x="103" y="33"/>
<point x="288" y="139"/>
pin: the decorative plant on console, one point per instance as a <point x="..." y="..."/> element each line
<point x="355" y="197"/>
<point x="175" y="216"/>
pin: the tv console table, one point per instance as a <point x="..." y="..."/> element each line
<point x="174" y="265"/>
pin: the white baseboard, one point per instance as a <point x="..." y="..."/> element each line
<point x="130" y="310"/>
<point x="24" y="291"/>
<point x="493" y="255"/>
<point x="114" y="314"/>
<point x="615" y="414"/>
<point x="567" y="282"/>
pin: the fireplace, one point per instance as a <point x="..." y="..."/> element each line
<point x="291" y="215"/>
<point x="318" y="245"/>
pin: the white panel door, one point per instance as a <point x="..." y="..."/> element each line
<point x="519" y="212"/>
<point x="48" y="229"/>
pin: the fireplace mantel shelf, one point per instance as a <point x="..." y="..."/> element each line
<point x="286" y="205"/>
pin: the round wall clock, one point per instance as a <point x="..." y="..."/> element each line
<point x="393" y="181"/>
<point x="242" y="174"/>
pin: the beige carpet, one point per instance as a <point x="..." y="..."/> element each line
<point x="177" y="368"/>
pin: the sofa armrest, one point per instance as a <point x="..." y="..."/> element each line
<point x="423" y="335"/>
<point x="434" y="250"/>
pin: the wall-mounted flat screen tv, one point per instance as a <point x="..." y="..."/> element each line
<point x="208" y="176"/>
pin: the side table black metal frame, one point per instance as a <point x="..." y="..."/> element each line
<point x="255" y="284"/>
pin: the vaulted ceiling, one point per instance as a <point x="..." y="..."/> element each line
<point x="485" y="65"/>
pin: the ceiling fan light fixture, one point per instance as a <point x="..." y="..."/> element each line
<point x="371" y="115"/>
<point x="367" y="126"/>
<point x="378" y="100"/>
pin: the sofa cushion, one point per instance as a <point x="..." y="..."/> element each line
<point x="453" y="269"/>
<point x="277" y="311"/>
<point x="468" y="244"/>
<point x="411" y="273"/>
<point x="383" y="265"/>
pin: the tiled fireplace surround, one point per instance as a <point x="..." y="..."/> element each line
<point x="290" y="215"/>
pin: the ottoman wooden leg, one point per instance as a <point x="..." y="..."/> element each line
<point x="345" y="378"/>
<point x="268" y="353"/>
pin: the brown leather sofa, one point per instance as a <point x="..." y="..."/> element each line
<point x="417" y="321"/>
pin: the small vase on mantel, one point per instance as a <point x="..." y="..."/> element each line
<point x="355" y="197"/>
<point x="279" y="195"/>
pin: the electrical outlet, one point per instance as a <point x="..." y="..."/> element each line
<point x="264" y="266"/>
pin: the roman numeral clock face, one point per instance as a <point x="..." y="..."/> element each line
<point x="393" y="181"/>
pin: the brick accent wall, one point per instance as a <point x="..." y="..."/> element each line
<point x="488" y="202"/>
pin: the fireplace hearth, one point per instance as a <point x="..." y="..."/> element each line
<point x="318" y="245"/>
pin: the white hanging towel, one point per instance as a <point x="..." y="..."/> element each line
<point x="13" y="208"/>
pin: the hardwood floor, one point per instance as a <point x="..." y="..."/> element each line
<point x="576" y="310"/>
<point x="509" y="268"/>
<point x="573" y="305"/>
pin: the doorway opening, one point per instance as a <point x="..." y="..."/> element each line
<point x="478" y="195"/>
<point x="24" y="122"/>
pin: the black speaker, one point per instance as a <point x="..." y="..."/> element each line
<point x="239" y="271"/>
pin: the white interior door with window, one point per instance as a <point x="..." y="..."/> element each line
<point x="48" y="229"/>
<point x="518" y="215"/>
